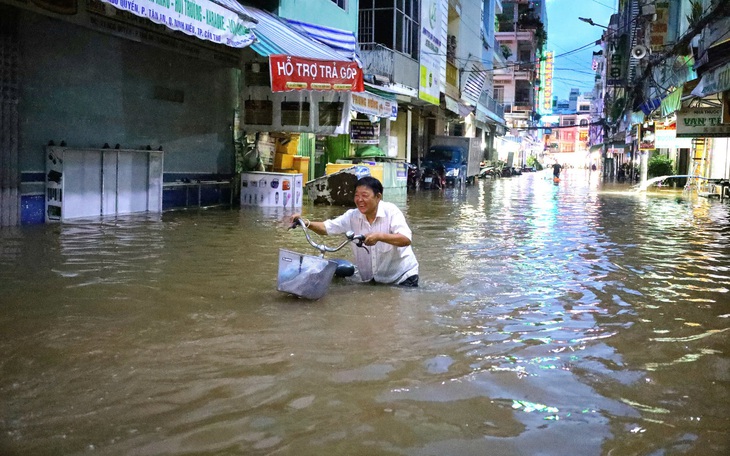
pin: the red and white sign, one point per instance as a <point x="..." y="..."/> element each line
<point x="297" y="73"/>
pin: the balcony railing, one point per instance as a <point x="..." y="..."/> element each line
<point x="397" y="67"/>
<point x="491" y="104"/>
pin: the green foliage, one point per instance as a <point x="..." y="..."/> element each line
<point x="506" y="51"/>
<point x="660" y="165"/>
<point x="695" y="13"/>
<point x="533" y="163"/>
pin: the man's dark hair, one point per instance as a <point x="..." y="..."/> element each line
<point x="370" y="182"/>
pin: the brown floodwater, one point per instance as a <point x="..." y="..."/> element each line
<point x="570" y="319"/>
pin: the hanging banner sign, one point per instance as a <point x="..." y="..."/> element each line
<point x="372" y="105"/>
<point x="713" y="81"/>
<point x="200" y="18"/>
<point x="432" y="50"/>
<point x="701" y="123"/>
<point x="547" y="92"/>
<point x="297" y="73"/>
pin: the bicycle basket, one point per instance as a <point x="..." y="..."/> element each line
<point x="305" y="276"/>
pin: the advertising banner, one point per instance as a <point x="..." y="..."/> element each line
<point x="546" y="94"/>
<point x="701" y="123"/>
<point x="297" y="73"/>
<point x="713" y="81"/>
<point x="200" y="18"/>
<point x="364" y="132"/>
<point x="616" y="62"/>
<point x="646" y="137"/>
<point x="432" y="50"/>
<point x="666" y="138"/>
<point x="372" y="105"/>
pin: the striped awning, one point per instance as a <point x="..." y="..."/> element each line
<point x="275" y="36"/>
<point x="474" y="84"/>
<point x="342" y="41"/>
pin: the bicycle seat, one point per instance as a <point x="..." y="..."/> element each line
<point x="344" y="268"/>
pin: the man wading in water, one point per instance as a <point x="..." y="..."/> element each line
<point x="391" y="259"/>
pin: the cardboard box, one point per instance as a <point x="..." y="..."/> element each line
<point x="290" y="147"/>
<point x="302" y="164"/>
<point x="283" y="161"/>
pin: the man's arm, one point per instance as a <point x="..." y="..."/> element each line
<point x="397" y="240"/>
<point x="317" y="227"/>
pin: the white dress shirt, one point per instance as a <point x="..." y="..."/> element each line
<point x="385" y="263"/>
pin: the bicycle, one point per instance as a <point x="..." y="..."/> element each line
<point x="308" y="276"/>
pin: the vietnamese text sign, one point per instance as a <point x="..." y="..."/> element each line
<point x="666" y="138"/>
<point x="364" y="132"/>
<point x="713" y="81"/>
<point x="701" y="123"/>
<point x="432" y="50"/>
<point x="547" y="91"/>
<point x="200" y="18"/>
<point x="297" y="73"/>
<point x="371" y="104"/>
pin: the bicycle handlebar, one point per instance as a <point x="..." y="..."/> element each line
<point x="350" y="236"/>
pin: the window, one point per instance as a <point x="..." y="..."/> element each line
<point x="341" y="3"/>
<point x="499" y="94"/>
<point x="390" y="24"/>
<point x="583" y="122"/>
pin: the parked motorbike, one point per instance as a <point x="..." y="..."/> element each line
<point x="433" y="177"/>
<point x="489" y="171"/>
<point x="413" y="181"/>
<point x="509" y="171"/>
<point x="308" y="276"/>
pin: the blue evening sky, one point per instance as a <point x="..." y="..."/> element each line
<point x="566" y="33"/>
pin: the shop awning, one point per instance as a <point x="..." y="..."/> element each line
<point x="474" y="84"/>
<point x="343" y="42"/>
<point x="274" y="36"/>
<point x="649" y="106"/>
<point x="221" y="21"/>
<point x="616" y="147"/>
<point x="595" y="148"/>
<point x="713" y="81"/>
<point x="372" y="103"/>
<point x="672" y="102"/>
<point x="457" y="107"/>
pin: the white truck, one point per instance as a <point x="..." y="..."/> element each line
<point x="455" y="156"/>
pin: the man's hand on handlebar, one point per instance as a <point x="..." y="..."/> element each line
<point x="317" y="227"/>
<point x="294" y="221"/>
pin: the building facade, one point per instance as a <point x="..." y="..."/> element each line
<point x="659" y="79"/>
<point x="91" y="74"/>
<point x="522" y="38"/>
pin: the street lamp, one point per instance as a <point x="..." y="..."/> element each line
<point x="588" y="20"/>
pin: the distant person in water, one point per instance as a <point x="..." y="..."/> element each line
<point x="556" y="170"/>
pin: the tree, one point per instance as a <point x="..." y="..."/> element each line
<point x="660" y="165"/>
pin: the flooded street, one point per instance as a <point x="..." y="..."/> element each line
<point x="570" y="319"/>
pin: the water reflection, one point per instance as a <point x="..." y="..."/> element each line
<point x="545" y="311"/>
